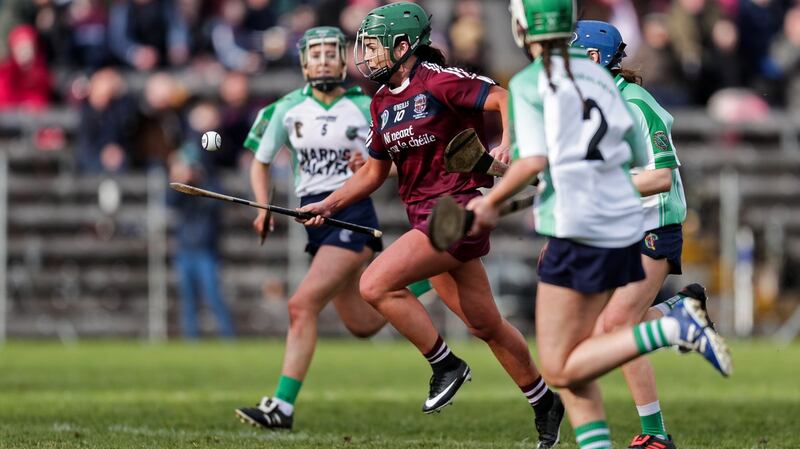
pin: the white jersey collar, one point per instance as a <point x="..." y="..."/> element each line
<point x="399" y="89"/>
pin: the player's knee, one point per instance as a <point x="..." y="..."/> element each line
<point x="485" y="331"/>
<point x="561" y="378"/>
<point x="554" y="373"/>
<point x="300" y="310"/>
<point x="363" y="331"/>
<point x="371" y="290"/>
<point x="555" y="377"/>
<point x="619" y="318"/>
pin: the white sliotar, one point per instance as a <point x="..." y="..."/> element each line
<point x="211" y="141"/>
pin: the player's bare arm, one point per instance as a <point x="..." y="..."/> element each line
<point x="361" y="185"/>
<point x="497" y="101"/>
<point x="519" y="175"/>
<point x="650" y="182"/>
<point x="259" y="182"/>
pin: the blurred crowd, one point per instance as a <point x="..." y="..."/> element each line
<point x="123" y="66"/>
<point x="78" y="53"/>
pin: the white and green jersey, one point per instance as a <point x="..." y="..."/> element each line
<point x="320" y="137"/>
<point x="585" y="194"/>
<point x="655" y="124"/>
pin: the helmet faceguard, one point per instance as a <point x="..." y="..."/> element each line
<point x="381" y="31"/>
<point x="323" y="36"/>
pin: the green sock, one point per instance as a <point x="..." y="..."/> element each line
<point x="288" y="389"/>
<point x="419" y="288"/>
<point x="652" y="335"/>
<point x="652" y="420"/>
<point x="593" y="435"/>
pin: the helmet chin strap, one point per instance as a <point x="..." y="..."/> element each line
<point x="618" y="55"/>
<point x="384" y="74"/>
<point x="325" y="83"/>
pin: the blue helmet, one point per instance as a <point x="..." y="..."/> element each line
<point x="600" y="36"/>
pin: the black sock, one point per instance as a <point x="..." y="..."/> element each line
<point x="539" y="396"/>
<point x="440" y="356"/>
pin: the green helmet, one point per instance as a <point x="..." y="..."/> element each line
<point x="323" y="35"/>
<point x="388" y="24"/>
<point x="540" y="20"/>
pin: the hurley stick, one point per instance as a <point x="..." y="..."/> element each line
<point x="194" y="191"/>
<point x="449" y="222"/>
<point x="466" y="154"/>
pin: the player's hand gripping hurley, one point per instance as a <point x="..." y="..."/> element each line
<point x="449" y="221"/>
<point x="465" y="154"/>
<point x="194" y="191"/>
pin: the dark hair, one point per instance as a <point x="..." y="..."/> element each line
<point x="629" y="75"/>
<point x="428" y="53"/>
<point x="548" y="47"/>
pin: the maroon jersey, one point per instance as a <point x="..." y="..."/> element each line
<point x="413" y="124"/>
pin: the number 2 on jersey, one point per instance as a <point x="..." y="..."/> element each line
<point x="593" y="152"/>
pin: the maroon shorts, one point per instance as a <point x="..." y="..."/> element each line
<point x="466" y="249"/>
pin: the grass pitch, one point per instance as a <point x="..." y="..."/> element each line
<point x="358" y="395"/>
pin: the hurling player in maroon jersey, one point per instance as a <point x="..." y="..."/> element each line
<point x="421" y="106"/>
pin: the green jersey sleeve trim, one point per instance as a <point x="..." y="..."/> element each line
<point x="362" y="102"/>
<point x="275" y="135"/>
<point x="658" y="135"/>
<point x="259" y="126"/>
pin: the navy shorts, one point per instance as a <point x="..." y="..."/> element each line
<point x="588" y="269"/>
<point x="665" y="242"/>
<point x="362" y="213"/>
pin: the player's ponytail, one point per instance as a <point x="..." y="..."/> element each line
<point x="631" y="76"/>
<point x="547" y="48"/>
<point x="431" y="54"/>
<point x="563" y="47"/>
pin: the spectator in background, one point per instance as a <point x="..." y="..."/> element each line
<point x="14" y="13"/>
<point x="88" y="24"/>
<point x="107" y="125"/>
<point x="705" y="43"/>
<point x="759" y="21"/>
<point x="302" y="18"/>
<point x="234" y="44"/>
<point x="658" y="64"/>
<point x="260" y="15"/>
<point x="25" y="80"/>
<point x="198" y="228"/>
<point x="785" y="55"/>
<point x="329" y="12"/>
<point x="622" y="14"/>
<point x="236" y="117"/>
<point x="465" y="36"/>
<point x="160" y="127"/>
<point x="148" y="33"/>
<point x="192" y="13"/>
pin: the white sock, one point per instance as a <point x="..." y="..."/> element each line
<point x="671" y="328"/>
<point x="285" y="407"/>
<point x="648" y="409"/>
